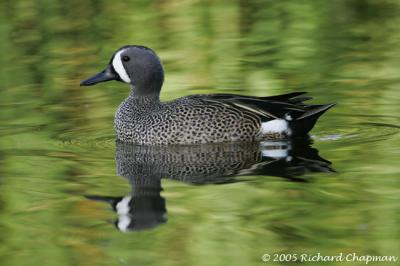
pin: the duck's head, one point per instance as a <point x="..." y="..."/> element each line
<point x="136" y="65"/>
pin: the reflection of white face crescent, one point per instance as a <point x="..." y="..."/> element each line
<point x="122" y="206"/>
<point x="119" y="67"/>
<point x="123" y="223"/>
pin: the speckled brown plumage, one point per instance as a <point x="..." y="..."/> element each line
<point x="188" y="120"/>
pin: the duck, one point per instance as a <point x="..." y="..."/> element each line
<point x="143" y="119"/>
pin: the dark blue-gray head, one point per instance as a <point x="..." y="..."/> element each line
<point x="136" y="65"/>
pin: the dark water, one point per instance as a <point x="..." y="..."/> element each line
<point x="61" y="171"/>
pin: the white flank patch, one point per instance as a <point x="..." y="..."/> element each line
<point x="274" y="126"/>
<point x="119" y="67"/>
<point x="123" y="223"/>
<point x="122" y="207"/>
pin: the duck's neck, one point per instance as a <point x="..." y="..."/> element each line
<point x="137" y="96"/>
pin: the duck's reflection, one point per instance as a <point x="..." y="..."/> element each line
<point x="145" y="166"/>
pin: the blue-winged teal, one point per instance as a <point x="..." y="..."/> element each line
<point x="210" y="118"/>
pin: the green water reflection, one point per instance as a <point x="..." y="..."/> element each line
<point x="57" y="140"/>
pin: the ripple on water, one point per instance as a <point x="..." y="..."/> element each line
<point x="85" y="140"/>
<point x="360" y="133"/>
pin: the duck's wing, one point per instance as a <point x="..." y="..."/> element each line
<point x="290" y="107"/>
<point x="266" y="108"/>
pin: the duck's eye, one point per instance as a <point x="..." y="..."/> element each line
<point x="126" y="58"/>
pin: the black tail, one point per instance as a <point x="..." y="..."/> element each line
<point x="303" y="124"/>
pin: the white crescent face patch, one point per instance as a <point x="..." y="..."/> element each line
<point x="119" y="67"/>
